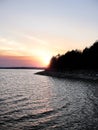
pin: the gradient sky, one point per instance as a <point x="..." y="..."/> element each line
<point x="31" y="31"/>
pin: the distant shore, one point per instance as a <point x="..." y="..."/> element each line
<point x="77" y="74"/>
<point x="21" y="68"/>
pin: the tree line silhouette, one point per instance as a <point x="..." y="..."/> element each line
<point x="75" y="59"/>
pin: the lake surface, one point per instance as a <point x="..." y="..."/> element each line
<point x="35" y="102"/>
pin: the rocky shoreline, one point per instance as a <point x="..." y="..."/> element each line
<point x="80" y="74"/>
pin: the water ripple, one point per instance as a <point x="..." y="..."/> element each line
<point x="32" y="102"/>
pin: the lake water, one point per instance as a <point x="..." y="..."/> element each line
<point x="35" y="102"/>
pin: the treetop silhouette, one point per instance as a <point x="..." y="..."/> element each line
<point x="75" y="59"/>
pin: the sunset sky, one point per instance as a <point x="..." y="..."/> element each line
<point x="32" y="31"/>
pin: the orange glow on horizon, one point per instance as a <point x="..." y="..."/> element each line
<point x="44" y="57"/>
<point x="46" y="60"/>
<point x="24" y="61"/>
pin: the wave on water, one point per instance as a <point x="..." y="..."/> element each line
<point x="46" y="103"/>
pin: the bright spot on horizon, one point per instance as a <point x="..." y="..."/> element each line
<point x="44" y="57"/>
<point x="46" y="60"/>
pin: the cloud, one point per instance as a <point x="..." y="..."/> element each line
<point x="42" y="42"/>
<point x="11" y="47"/>
<point x="21" y="61"/>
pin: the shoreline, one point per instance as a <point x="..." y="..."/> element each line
<point x="78" y="74"/>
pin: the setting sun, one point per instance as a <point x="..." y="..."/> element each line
<point x="46" y="60"/>
<point x="44" y="57"/>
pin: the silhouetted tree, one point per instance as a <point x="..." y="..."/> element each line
<point x="87" y="59"/>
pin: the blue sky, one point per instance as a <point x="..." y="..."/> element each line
<point x="46" y="27"/>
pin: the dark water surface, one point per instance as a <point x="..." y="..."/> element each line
<point x="34" y="102"/>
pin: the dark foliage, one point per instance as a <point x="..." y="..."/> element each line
<point x="73" y="60"/>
